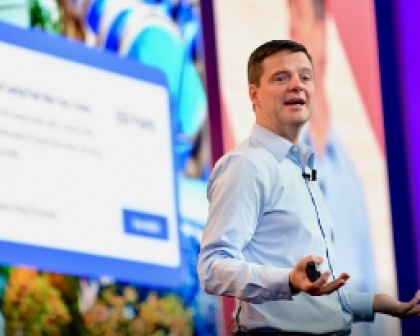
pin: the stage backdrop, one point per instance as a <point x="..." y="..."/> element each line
<point x="409" y="31"/>
<point x="346" y="129"/>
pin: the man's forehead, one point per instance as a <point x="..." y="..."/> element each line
<point x="286" y="61"/>
<point x="288" y="58"/>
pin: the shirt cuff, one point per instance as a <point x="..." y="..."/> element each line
<point x="361" y="306"/>
<point x="278" y="284"/>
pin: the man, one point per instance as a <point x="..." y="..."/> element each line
<point x="337" y="176"/>
<point x="267" y="218"/>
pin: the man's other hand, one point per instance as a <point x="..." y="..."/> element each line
<point x="387" y="305"/>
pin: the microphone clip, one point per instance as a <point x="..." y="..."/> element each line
<point x="310" y="177"/>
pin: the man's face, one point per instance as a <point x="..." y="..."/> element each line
<point x="284" y="97"/>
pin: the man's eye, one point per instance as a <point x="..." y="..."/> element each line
<point x="306" y="78"/>
<point x="281" y="78"/>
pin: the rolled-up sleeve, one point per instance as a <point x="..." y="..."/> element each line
<point x="236" y="193"/>
<point x="360" y="305"/>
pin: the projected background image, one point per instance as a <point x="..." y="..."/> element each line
<point x="165" y="35"/>
<point x="346" y="129"/>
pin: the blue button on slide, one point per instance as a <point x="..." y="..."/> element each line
<point x="144" y="224"/>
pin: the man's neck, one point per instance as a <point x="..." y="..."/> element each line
<point x="290" y="133"/>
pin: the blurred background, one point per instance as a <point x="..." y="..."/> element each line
<point x="177" y="69"/>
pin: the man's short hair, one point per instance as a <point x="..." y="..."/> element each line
<point x="255" y="67"/>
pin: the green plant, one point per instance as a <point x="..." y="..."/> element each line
<point x="42" y="17"/>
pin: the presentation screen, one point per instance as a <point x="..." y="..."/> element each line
<point x="104" y="162"/>
<point x="345" y="130"/>
<point x="81" y="162"/>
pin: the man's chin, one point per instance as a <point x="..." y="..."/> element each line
<point x="299" y="122"/>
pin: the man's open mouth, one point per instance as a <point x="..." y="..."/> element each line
<point x="295" y="101"/>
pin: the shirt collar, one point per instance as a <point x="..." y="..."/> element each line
<point x="280" y="147"/>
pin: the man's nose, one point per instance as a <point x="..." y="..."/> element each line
<point x="295" y="83"/>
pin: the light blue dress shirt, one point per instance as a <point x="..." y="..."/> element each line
<point x="263" y="218"/>
<point x="344" y="196"/>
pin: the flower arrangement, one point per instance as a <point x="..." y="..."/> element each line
<point x="32" y="306"/>
<point x="44" y="304"/>
<point x="122" y="315"/>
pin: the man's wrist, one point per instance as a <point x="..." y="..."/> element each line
<point x="293" y="289"/>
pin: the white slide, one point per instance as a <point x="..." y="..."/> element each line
<point x="87" y="173"/>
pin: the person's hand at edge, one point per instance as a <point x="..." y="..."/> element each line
<point x="386" y="304"/>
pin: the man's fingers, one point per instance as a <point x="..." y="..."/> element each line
<point x="415" y="299"/>
<point x="321" y="281"/>
<point x="412" y="308"/>
<point x="409" y="311"/>
<point x="345" y="276"/>
<point x="332" y="286"/>
<point x="318" y="284"/>
<point x="316" y="260"/>
<point x="321" y="287"/>
<point x="415" y="311"/>
<point x="304" y="262"/>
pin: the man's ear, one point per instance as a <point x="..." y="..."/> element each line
<point x="253" y="94"/>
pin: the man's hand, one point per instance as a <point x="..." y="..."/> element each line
<point x="385" y="304"/>
<point x="299" y="281"/>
